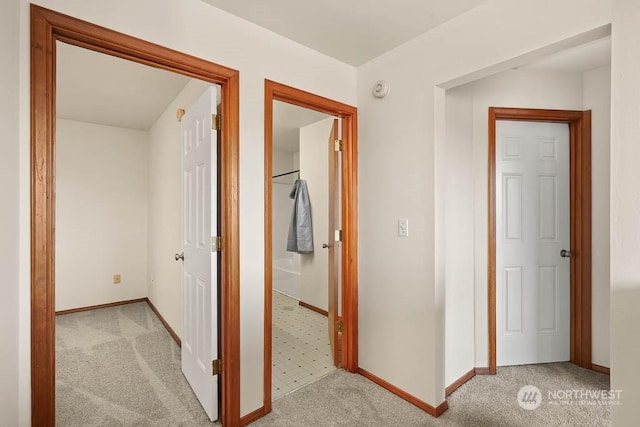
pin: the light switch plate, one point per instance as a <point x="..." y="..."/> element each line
<point x="403" y="227"/>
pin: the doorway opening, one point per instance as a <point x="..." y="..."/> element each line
<point x="335" y="253"/>
<point x="579" y="123"/>
<point x="305" y="255"/>
<point x="48" y="28"/>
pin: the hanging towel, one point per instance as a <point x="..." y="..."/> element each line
<point x="300" y="238"/>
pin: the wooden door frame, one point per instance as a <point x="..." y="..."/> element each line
<point x="349" y="200"/>
<point x="580" y="229"/>
<point x="47" y="27"/>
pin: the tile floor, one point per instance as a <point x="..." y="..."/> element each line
<point x="301" y="349"/>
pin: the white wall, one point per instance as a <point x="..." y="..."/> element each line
<point x="466" y="168"/>
<point x="403" y="174"/>
<point x="625" y="210"/>
<point x="165" y="208"/>
<point x="282" y="204"/>
<point x="10" y="218"/>
<point x="101" y="214"/>
<point x="459" y="232"/>
<point x="597" y="98"/>
<point x="314" y="168"/>
<point x="186" y="25"/>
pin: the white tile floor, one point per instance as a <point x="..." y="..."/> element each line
<point x="301" y="349"/>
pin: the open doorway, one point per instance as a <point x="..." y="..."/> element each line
<point x="304" y="212"/>
<point x="567" y="93"/>
<point x="327" y="166"/>
<point x="48" y="29"/>
<point x="122" y="209"/>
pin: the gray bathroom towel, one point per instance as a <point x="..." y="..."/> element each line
<point x="300" y="238"/>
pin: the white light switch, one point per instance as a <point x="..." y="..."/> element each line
<point x="403" y="227"/>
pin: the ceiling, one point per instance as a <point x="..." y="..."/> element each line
<point x="352" y="31"/>
<point x="287" y="121"/>
<point x="98" y="88"/>
<point x="579" y="59"/>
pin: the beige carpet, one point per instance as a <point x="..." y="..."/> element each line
<point x="119" y="367"/>
<point x="343" y="399"/>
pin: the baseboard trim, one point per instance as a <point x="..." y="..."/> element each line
<point x="436" y="412"/>
<point x="253" y="416"/>
<point x="169" y="329"/>
<point x="460" y="381"/>
<point x="483" y="371"/>
<point x="99" y="306"/>
<point x="313" y="308"/>
<point x="601" y="369"/>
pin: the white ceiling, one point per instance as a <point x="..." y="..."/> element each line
<point x="579" y="59"/>
<point x="352" y="31"/>
<point x="287" y="121"/>
<point x="98" y="88"/>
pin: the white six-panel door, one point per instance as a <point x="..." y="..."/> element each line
<point x="532" y="227"/>
<point x="200" y="340"/>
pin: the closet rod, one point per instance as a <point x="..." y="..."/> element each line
<point x="287" y="173"/>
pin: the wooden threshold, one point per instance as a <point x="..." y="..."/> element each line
<point x="483" y="371"/>
<point x="99" y="306"/>
<point x="313" y="308"/>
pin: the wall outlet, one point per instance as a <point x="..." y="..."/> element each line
<point x="116" y="279"/>
<point x="403" y="227"/>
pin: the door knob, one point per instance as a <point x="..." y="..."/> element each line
<point x="324" y="245"/>
<point x="565" y="253"/>
<point x="180" y="256"/>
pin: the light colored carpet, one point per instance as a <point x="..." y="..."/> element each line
<point x="343" y="399"/>
<point x="120" y="367"/>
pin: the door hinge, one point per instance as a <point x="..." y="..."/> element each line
<point x="338" y="236"/>
<point x="180" y="114"/>
<point x="216" y="121"/>
<point x="216" y="367"/>
<point x="339" y="325"/>
<point x="216" y="244"/>
<point x="338" y="145"/>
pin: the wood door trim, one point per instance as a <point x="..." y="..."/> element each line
<point x="47" y="27"/>
<point x="279" y="92"/>
<point x="580" y="194"/>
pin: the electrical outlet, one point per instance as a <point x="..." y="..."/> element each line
<point x="116" y="279"/>
<point x="403" y="227"/>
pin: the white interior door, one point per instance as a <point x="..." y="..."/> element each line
<point x="532" y="227"/>
<point x="200" y="334"/>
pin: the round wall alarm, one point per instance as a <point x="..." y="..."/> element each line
<point x="381" y="89"/>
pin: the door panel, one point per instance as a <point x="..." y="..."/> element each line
<point x="200" y="338"/>
<point x="533" y="226"/>
<point x="334" y="224"/>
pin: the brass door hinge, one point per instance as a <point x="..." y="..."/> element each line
<point x="337" y="145"/>
<point x="216" y="244"/>
<point x="180" y="114"/>
<point x="216" y="367"/>
<point x="340" y="325"/>
<point x="216" y="121"/>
